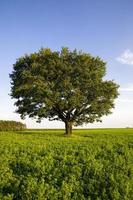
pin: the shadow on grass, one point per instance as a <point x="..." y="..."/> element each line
<point x="51" y="133"/>
<point x="41" y="133"/>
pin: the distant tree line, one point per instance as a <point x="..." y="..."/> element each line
<point x="11" y="126"/>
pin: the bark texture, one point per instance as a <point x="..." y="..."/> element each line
<point x="68" y="127"/>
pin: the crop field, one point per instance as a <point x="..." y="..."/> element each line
<point x="95" y="164"/>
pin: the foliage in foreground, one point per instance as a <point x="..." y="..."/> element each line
<point x="11" y="126"/>
<point x="44" y="165"/>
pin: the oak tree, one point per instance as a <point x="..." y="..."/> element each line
<point x="68" y="86"/>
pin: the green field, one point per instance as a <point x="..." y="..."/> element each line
<point x="95" y="164"/>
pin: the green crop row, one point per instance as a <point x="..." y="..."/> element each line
<point x="44" y="165"/>
<point x="11" y="126"/>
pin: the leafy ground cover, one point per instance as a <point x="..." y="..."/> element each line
<point x="94" y="164"/>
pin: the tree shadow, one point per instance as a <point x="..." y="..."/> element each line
<point x="41" y="133"/>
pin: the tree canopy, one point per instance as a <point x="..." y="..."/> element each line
<point x="66" y="86"/>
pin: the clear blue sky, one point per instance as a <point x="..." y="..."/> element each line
<point x="100" y="27"/>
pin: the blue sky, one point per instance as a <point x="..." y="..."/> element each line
<point x="102" y="28"/>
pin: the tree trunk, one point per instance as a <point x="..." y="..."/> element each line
<point x="68" y="127"/>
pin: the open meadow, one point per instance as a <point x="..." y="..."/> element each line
<point x="44" y="164"/>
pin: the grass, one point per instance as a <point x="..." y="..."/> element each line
<point x="41" y="164"/>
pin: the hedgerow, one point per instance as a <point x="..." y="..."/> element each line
<point x="48" y="166"/>
<point x="11" y="126"/>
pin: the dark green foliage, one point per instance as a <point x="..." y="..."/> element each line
<point x="11" y="126"/>
<point x="44" y="165"/>
<point x="66" y="86"/>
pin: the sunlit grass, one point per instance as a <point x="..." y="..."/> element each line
<point x="44" y="164"/>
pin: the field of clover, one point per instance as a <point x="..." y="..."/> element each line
<point x="46" y="165"/>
